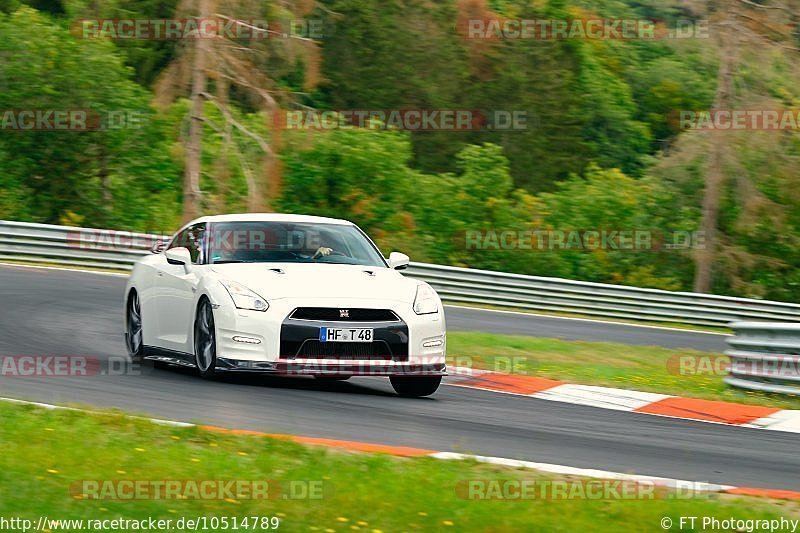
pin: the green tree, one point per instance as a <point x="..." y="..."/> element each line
<point x="79" y="172"/>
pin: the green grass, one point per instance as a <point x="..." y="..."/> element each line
<point x="46" y="452"/>
<point x="645" y="368"/>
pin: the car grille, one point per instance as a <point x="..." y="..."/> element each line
<point x="358" y="351"/>
<point x="334" y="314"/>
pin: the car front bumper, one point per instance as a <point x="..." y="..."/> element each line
<point x="253" y="341"/>
<point x="333" y="368"/>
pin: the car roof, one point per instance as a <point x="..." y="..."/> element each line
<point x="270" y="217"/>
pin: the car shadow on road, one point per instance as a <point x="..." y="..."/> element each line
<point x="300" y="383"/>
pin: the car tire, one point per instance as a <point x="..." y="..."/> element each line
<point x="134" y="341"/>
<point x="205" y="340"/>
<point x="415" y="386"/>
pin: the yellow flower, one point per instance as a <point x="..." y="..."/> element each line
<point x="139" y="449"/>
<point x="175" y="437"/>
<point x="243" y="453"/>
<point x="377" y="531"/>
<point x="422" y="513"/>
<point x="49" y="429"/>
<point x="52" y="471"/>
<point x="195" y="460"/>
<point x="121" y="472"/>
<point x="447" y="522"/>
<point x="361" y="523"/>
<point x="231" y="500"/>
<point x="213" y="444"/>
<point x="342" y="519"/>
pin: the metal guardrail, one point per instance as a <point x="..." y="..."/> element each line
<point x="71" y="246"/>
<point x="765" y="356"/>
<point x="20" y="241"/>
<point x="597" y="299"/>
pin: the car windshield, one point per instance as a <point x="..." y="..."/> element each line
<point x="290" y="242"/>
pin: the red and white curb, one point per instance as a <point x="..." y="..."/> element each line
<point x="405" y="451"/>
<point x="735" y="414"/>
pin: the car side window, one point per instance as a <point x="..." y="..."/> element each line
<point x="179" y="240"/>
<point x="196" y="234"/>
<point x="191" y="238"/>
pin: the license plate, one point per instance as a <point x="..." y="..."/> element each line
<point x="345" y="334"/>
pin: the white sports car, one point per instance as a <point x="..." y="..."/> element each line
<point x="287" y="294"/>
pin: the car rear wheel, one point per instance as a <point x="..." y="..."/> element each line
<point x="415" y="386"/>
<point x="133" y="327"/>
<point x="205" y="340"/>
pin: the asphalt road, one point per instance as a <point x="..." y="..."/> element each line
<point x="50" y="312"/>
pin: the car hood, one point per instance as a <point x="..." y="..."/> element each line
<point x="292" y="280"/>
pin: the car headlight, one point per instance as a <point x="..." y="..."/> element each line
<point x="426" y="301"/>
<point x="244" y="298"/>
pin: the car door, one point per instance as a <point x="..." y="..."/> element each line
<point x="175" y="290"/>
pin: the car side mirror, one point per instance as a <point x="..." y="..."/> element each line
<point x="179" y="256"/>
<point x="398" y="261"/>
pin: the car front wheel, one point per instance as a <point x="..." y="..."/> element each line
<point x="133" y="330"/>
<point x="415" y="386"/>
<point x="205" y="342"/>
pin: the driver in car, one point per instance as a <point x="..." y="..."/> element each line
<point x="322" y="251"/>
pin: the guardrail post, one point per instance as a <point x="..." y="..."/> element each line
<point x="765" y="356"/>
